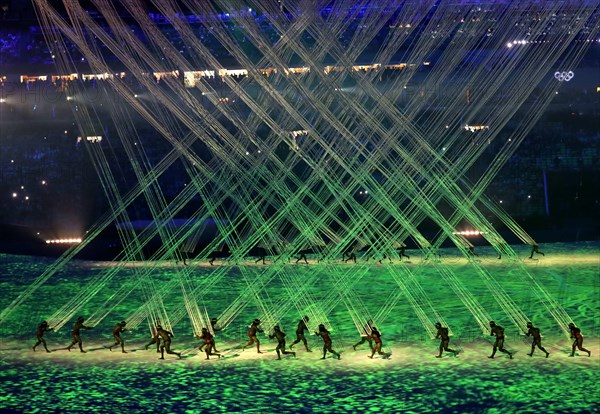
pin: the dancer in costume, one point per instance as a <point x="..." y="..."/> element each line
<point x="254" y="328"/>
<point x="324" y="333"/>
<point x="40" y="335"/>
<point x="209" y="343"/>
<point x="537" y="338"/>
<point x="498" y="332"/>
<point x="77" y="327"/>
<point x="442" y="334"/>
<point x="376" y="335"/>
<point x="117" y="331"/>
<point x="213" y="324"/>
<point x="300" y="333"/>
<point x="280" y="335"/>
<point x="578" y="343"/>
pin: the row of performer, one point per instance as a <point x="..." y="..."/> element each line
<point x="162" y="339"/>
<point x="350" y="255"/>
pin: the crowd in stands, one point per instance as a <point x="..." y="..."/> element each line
<point x="48" y="149"/>
<point x="44" y="152"/>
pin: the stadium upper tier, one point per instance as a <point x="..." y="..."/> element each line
<point x="23" y="44"/>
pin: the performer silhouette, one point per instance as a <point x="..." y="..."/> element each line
<point x="117" y="330"/>
<point x="442" y="334"/>
<point x="213" y="324"/>
<point x="183" y="256"/>
<point x="166" y="342"/>
<point x="254" y="328"/>
<point x="351" y="256"/>
<point x="365" y="336"/>
<point x="537" y="338"/>
<point x="498" y="332"/>
<point x="535" y="249"/>
<point x="300" y="333"/>
<point x="376" y="335"/>
<point x="401" y="252"/>
<point x="77" y="327"/>
<point x="324" y="333"/>
<point x="155" y="338"/>
<point x="280" y="335"/>
<point x="385" y="256"/>
<point x="40" y="335"/>
<point x="262" y="254"/>
<point x="578" y="343"/>
<point x="209" y="343"/>
<point x="301" y="256"/>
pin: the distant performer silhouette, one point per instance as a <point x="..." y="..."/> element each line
<point x="535" y="249"/>
<point x="349" y="254"/>
<point x="471" y="252"/>
<point x="401" y="252"/>
<point x="262" y="254"/>
<point x="302" y="256"/>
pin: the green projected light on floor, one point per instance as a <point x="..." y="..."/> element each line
<point x="412" y="379"/>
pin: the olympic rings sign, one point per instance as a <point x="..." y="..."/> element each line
<point x="564" y="76"/>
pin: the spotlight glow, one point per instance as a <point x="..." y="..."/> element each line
<point x="64" y="241"/>
<point x="469" y="232"/>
